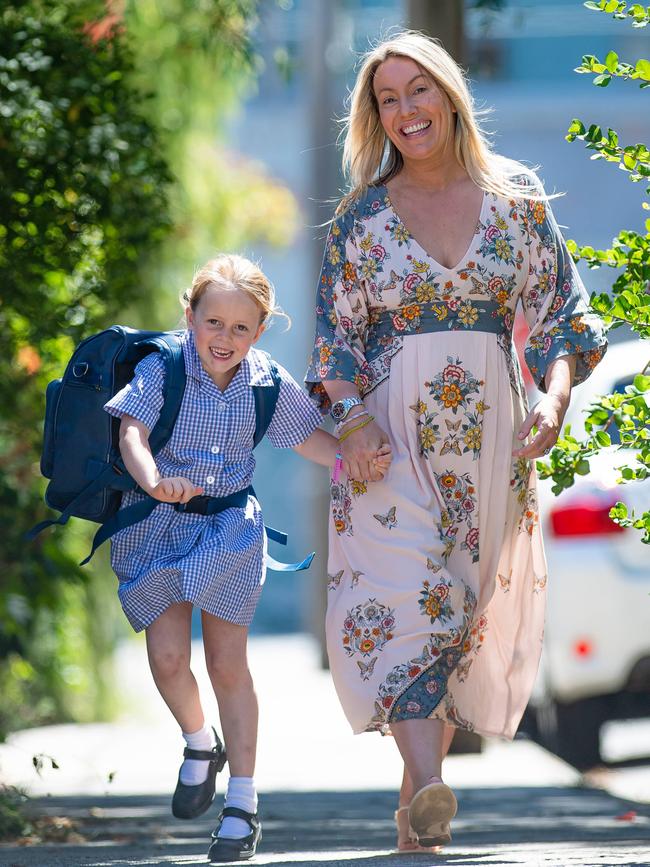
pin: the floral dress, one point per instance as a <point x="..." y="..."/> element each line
<point x="437" y="574"/>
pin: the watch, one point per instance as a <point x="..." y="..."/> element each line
<point x="341" y="408"/>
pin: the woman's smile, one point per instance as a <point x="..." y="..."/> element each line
<point x="412" y="130"/>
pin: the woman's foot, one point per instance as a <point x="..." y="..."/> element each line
<point x="430" y="812"/>
<point x="407" y="840"/>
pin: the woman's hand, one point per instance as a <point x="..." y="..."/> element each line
<point x="548" y="413"/>
<point x="359" y="450"/>
<point x="547" y="416"/>
<point x="175" y="489"/>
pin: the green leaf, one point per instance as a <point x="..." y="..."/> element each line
<point x="642" y="382"/>
<point x="582" y="467"/>
<point x="643" y="69"/>
<point x="611" y="61"/>
<point x="603" y="438"/>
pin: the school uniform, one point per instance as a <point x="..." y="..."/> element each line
<point x="215" y="562"/>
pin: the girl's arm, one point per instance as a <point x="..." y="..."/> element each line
<point x="322" y="448"/>
<point x="137" y="457"/>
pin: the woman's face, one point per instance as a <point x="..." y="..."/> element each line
<point x="413" y="110"/>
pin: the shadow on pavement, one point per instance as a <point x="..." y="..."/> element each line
<point x="356" y="828"/>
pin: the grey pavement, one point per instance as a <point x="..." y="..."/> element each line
<point x="326" y="797"/>
<point x="499" y="826"/>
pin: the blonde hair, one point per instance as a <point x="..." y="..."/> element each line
<point x="370" y="157"/>
<point x="231" y="271"/>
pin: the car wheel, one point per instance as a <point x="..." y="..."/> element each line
<point x="576" y="736"/>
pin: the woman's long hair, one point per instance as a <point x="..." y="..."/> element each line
<point x="370" y="157"/>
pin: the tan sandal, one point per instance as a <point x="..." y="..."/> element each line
<point x="430" y="813"/>
<point x="407" y="839"/>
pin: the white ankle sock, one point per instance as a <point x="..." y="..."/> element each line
<point x="195" y="771"/>
<point x="241" y="793"/>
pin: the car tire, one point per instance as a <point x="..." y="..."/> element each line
<point x="576" y="736"/>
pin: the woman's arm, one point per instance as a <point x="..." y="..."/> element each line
<point x="548" y="413"/>
<point x="360" y="448"/>
<point x="137" y="457"/>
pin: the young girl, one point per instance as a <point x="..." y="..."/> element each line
<point x="175" y="559"/>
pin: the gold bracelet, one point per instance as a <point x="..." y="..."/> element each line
<point x="358" y="427"/>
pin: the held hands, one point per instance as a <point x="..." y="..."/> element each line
<point x="383" y="458"/>
<point x="547" y="416"/>
<point x="176" y="489"/>
<point x="366" y="453"/>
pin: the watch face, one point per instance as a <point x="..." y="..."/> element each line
<point x="338" y="409"/>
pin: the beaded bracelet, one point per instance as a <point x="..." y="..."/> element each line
<point x="358" y="427"/>
<point x="338" y="466"/>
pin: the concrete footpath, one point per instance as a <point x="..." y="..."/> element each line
<point x="326" y="797"/>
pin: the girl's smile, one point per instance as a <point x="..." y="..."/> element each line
<point x="226" y="323"/>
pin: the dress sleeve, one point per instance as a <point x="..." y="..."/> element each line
<point x="555" y="301"/>
<point x="142" y="398"/>
<point x="341" y="314"/>
<point x="296" y="415"/>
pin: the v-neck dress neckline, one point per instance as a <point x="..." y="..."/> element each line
<point x="425" y="253"/>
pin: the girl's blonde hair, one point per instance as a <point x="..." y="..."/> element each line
<point x="231" y="271"/>
<point x="370" y="157"/>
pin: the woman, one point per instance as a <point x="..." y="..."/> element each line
<point x="437" y="573"/>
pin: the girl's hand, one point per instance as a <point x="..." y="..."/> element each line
<point x="359" y="450"/>
<point x="547" y="416"/>
<point x="176" y="489"/>
<point x="383" y="459"/>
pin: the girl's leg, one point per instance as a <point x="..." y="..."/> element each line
<point x="169" y="651"/>
<point x="225" y="657"/>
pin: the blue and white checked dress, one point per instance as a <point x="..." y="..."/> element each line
<point x="216" y="561"/>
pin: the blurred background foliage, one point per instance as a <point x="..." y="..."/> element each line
<point x="628" y="302"/>
<point x="112" y="190"/>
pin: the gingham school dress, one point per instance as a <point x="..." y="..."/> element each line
<point x="437" y="574"/>
<point x="216" y="561"/>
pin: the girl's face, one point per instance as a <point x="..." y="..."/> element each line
<point x="226" y="323"/>
<point x="413" y="110"/>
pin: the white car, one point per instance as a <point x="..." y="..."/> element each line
<point x="596" y="659"/>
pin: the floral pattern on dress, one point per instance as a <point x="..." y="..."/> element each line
<point x="526" y="495"/>
<point x="428" y="431"/>
<point x="435" y="602"/>
<point x="453" y="386"/>
<point x="472" y="645"/>
<point x="518" y="253"/>
<point x="341" y="506"/>
<point x="366" y="629"/>
<point x="459" y="494"/>
<point x="414" y="689"/>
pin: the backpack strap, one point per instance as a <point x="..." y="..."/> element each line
<point x="171" y="351"/>
<point x="266" y="398"/>
<point x="103" y="480"/>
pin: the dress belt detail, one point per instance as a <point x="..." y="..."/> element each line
<point x="465" y="315"/>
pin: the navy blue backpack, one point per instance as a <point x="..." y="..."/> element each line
<point x="81" y="454"/>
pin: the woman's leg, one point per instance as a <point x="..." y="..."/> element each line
<point x="225" y="657"/>
<point x="420" y="742"/>
<point x="407" y="789"/>
<point x="405" y="841"/>
<point x="169" y="652"/>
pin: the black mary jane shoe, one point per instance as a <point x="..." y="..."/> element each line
<point x="239" y="848"/>
<point x="189" y="802"/>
